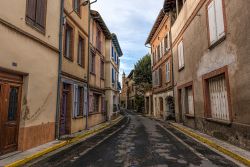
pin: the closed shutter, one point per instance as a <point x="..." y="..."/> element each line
<point x="163" y="46"/>
<point x="41" y="13"/>
<point x="218" y="98"/>
<point x="190" y="100"/>
<point x="181" y="55"/>
<point x="212" y="22"/>
<point x="168" y="71"/>
<point x="31" y="10"/>
<point x="160" y="77"/>
<point x="219" y="18"/>
<point x="75" y="101"/>
<point x="85" y="100"/>
<point x="160" y="50"/>
<point x="168" y="42"/>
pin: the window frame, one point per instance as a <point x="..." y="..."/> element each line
<point x="71" y="58"/>
<point x="102" y="69"/>
<point x="74" y="9"/>
<point x="92" y="63"/>
<point x="206" y="96"/>
<point x="83" y="56"/>
<point x="219" y="39"/>
<point x="178" y="55"/>
<point x="180" y="98"/>
<point x="169" y="66"/>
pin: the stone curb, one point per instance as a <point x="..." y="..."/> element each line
<point x="64" y="143"/>
<point x="210" y="143"/>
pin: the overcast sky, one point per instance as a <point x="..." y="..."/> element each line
<point x="132" y="21"/>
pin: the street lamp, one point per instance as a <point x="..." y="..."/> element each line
<point x="82" y="3"/>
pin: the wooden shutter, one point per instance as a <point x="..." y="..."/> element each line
<point x="160" y="77"/>
<point x="75" y="100"/>
<point x="168" y="42"/>
<point x="218" y="98"/>
<point x="168" y="71"/>
<point x="181" y="55"/>
<point x="85" y="100"/>
<point x="190" y="99"/>
<point x="41" y="13"/>
<point x="219" y="18"/>
<point x="212" y="22"/>
<point x="31" y="10"/>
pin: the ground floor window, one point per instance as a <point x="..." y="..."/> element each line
<point x="189" y="100"/>
<point x="78" y="101"/>
<point x="218" y="98"/>
<point x="96" y="102"/>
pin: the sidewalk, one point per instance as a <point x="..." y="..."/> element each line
<point x="21" y="158"/>
<point x="232" y="151"/>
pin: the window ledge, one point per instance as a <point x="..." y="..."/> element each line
<point x="81" y="66"/>
<point x="94" y="113"/>
<point x="189" y="115"/>
<point x="217" y="42"/>
<point x="35" y="27"/>
<point x="224" y="122"/>
<point x="68" y="58"/>
<point x="92" y="73"/>
<point x="182" y="68"/>
<point x="78" y="117"/>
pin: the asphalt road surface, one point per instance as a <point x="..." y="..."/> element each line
<point x="142" y="142"/>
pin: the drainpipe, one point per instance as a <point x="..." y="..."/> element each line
<point x="57" y="134"/>
<point x="88" y="72"/>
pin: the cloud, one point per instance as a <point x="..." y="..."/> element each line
<point x="132" y="21"/>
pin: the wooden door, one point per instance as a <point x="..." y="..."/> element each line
<point x="9" y="119"/>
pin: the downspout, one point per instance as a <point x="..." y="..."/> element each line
<point x="57" y="134"/>
<point x="88" y="71"/>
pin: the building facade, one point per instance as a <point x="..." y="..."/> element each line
<point x="28" y="73"/>
<point x="74" y="68"/>
<point x="159" y="41"/>
<point x="128" y="93"/>
<point x="99" y="34"/>
<point x="112" y="84"/>
<point x="212" y="91"/>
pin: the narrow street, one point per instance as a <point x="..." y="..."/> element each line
<point x="143" y="142"/>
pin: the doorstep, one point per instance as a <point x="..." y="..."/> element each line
<point x="230" y="150"/>
<point x="20" y="158"/>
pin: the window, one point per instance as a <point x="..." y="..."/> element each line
<point x="168" y="71"/>
<point x="102" y="69"/>
<point x="180" y="4"/>
<point x="113" y="75"/>
<point x="216" y="21"/>
<point x="98" y="40"/>
<point x="81" y="51"/>
<point x="161" y="104"/>
<point x="113" y="55"/>
<point x="36" y="13"/>
<point x="78" y="101"/>
<point x="189" y="100"/>
<point x="92" y="65"/>
<point x="103" y="105"/>
<point x="76" y="6"/>
<point x="68" y="43"/>
<point x="158" y="52"/>
<point x="181" y="55"/>
<point x="160" y="77"/>
<point x="167" y="42"/>
<point x="218" y="98"/>
<point x="96" y="103"/>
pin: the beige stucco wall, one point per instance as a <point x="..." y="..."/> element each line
<point x="14" y="11"/>
<point x="80" y="27"/>
<point x="232" y="52"/>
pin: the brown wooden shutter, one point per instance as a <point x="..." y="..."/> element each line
<point x="41" y="13"/>
<point x="31" y="10"/>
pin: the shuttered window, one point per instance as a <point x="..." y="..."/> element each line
<point x="167" y="42"/>
<point x="216" y="21"/>
<point x="160" y="77"/>
<point x="92" y="60"/>
<point x="78" y="101"/>
<point x="181" y="55"/>
<point x="81" y="51"/>
<point x="168" y="71"/>
<point x="218" y="97"/>
<point x="190" y="100"/>
<point x="68" y="43"/>
<point x="113" y="75"/>
<point x="102" y="69"/>
<point x="76" y="6"/>
<point x="36" y="13"/>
